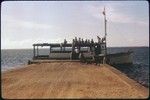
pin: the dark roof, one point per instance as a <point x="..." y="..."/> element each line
<point x="52" y="44"/>
<point x="65" y="45"/>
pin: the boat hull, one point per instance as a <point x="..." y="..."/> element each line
<point x="120" y="58"/>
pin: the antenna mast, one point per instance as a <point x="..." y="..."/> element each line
<point x="105" y="30"/>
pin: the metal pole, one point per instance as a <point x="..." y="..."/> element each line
<point x="33" y="52"/>
<point x="37" y="51"/>
<point x="105" y="35"/>
<point x="49" y="49"/>
<point x="105" y="22"/>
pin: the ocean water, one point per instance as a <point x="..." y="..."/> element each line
<point x="139" y="71"/>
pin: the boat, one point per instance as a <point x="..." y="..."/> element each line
<point x="84" y="50"/>
<point x="121" y="58"/>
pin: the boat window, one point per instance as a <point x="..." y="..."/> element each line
<point x="43" y="50"/>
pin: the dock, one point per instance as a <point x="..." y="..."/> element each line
<point x="69" y="80"/>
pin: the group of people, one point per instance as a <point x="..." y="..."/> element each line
<point x="81" y="41"/>
<point x="101" y="40"/>
<point x="96" y="49"/>
<point x="86" y="41"/>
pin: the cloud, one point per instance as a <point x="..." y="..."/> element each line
<point x="25" y="24"/>
<point x="86" y="21"/>
<point x="15" y="29"/>
<point x="114" y="14"/>
<point x="7" y="43"/>
<point x="119" y="17"/>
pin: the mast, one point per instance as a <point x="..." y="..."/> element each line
<point x="105" y="31"/>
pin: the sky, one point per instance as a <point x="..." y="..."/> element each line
<point x="24" y="23"/>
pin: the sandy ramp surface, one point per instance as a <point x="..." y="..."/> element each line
<point x="69" y="80"/>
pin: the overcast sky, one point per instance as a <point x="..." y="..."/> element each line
<point x="26" y="22"/>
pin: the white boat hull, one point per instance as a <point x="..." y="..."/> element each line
<point x="120" y="58"/>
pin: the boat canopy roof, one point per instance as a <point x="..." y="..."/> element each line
<point x="66" y="45"/>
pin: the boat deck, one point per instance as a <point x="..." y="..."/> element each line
<point x="50" y="61"/>
<point x="69" y="80"/>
